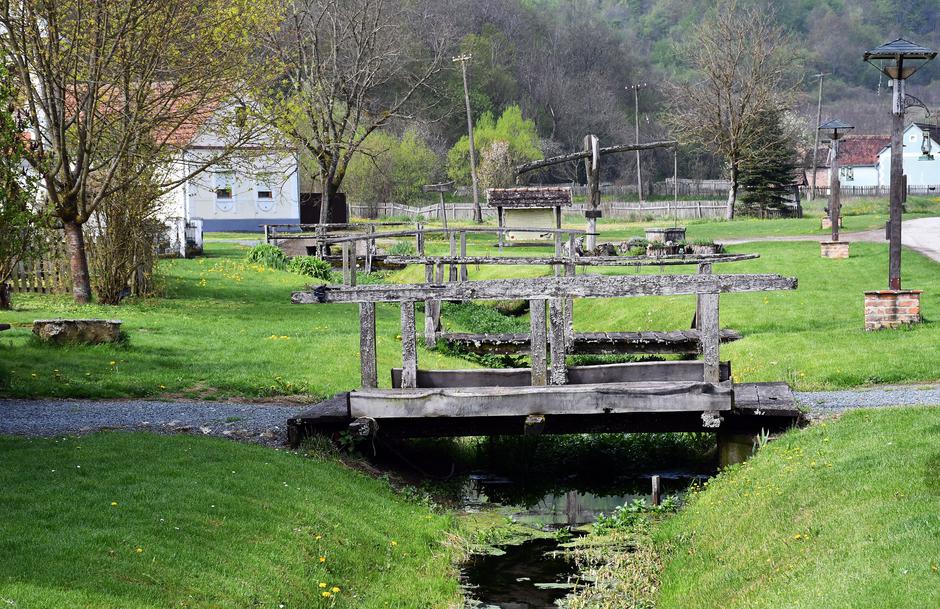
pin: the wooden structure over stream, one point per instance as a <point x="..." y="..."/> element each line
<point x="549" y="396"/>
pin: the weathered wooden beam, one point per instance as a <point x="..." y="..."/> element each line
<point x="421" y="232"/>
<point x="452" y="272"/>
<point x="558" y="344"/>
<point x="627" y="261"/>
<point x="710" y="333"/>
<point x="703" y="269"/>
<point x="577" y="375"/>
<point x="538" y="341"/>
<point x="606" y="398"/>
<point x="463" y="254"/>
<point x="367" y="365"/>
<point x="430" y="322"/>
<point x="592" y="343"/>
<point x="582" y="154"/>
<point x="409" y="349"/>
<point x="582" y="286"/>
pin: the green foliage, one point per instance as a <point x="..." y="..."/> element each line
<point x="20" y="224"/>
<point x="390" y="169"/>
<point x="629" y="515"/>
<point x="519" y="133"/>
<point x="403" y="248"/>
<point x="767" y="172"/>
<point x="311" y="266"/>
<point x="267" y="255"/>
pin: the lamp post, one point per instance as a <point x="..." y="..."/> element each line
<point x="835" y="129"/>
<point x="891" y="308"/>
<point x="897" y="60"/>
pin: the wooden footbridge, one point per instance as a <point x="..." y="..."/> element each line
<point x="550" y="396"/>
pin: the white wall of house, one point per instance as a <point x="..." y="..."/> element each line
<point x="858" y="175"/>
<point x="920" y="171"/>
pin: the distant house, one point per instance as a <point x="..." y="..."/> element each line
<point x="858" y="160"/>
<point x="255" y="185"/>
<point x="921" y="158"/>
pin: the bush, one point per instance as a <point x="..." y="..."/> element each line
<point x="402" y="248"/>
<point x="391" y="169"/>
<point x="267" y="255"/>
<point x="311" y="266"/>
<point x="520" y="144"/>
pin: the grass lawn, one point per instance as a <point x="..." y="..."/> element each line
<point x="837" y="515"/>
<point x="224" y="328"/>
<point x="117" y="520"/>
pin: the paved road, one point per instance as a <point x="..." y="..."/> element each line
<point x="922" y="235"/>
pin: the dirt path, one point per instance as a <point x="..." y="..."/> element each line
<point x="921" y="235"/>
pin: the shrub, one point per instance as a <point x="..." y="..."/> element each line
<point x="402" y="248"/>
<point x="311" y="266"/>
<point x="267" y="255"/>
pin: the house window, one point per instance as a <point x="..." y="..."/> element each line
<point x="264" y="195"/>
<point x="847" y="173"/>
<point x="224" y="183"/>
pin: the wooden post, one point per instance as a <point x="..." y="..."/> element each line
<point x="570" y="271"/>
<point x="370" y="250"/>
<point x="834" y="190"/>
<point x="896" y="182"/>
<point x="443" y="210"/>
<point x="430" y="319"/>
<point x="592" y="172"/>
<point x="452" y="273"/>
<point x="419" y="238"/>
<point x="367" y="365"/>
<point x="463" y="254"/>
<point x="267" y="238"/>
<point x="409" y="350"/>
<point x="656" y="494"/>
<point x="538" y="346"/>
<point x="345" y="257"/>
<point x="499" y="223"/>
<point x="703" y="269"/>
<point x="709" y="336"/>
<point x="556" y="323"/>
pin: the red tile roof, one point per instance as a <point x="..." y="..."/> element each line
<point x="861" y="150"/>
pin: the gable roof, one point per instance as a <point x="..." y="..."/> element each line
<point x="861" y="150"/>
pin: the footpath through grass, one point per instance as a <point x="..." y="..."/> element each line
<point x="842" y="514"/>
<point x="143" y="521"/>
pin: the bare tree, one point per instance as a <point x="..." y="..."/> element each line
<point x="347" y="68"/>
<point x="739" y="57"/>
<point x="100" y="77"/>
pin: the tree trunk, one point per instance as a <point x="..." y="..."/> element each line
<point x="78" y="262"/>
<point x="5" y="297"/>
<point x="732" y="193"/>
<point x="324" y="200"/>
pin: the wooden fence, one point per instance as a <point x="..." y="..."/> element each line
<point x="878" y="191"/>
<point x="47" y="275"/>
<point x="464" y="211"/>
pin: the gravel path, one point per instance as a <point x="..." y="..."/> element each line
<point x="264" y="423"/>
<point x="267" y="423"/>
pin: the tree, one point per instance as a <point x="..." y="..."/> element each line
<point x="739" y="57"/>
<point x="767" y="174"/>
<point x="391" y="169"/>
<point x="20" y="224"/>
<point x="518" y="133"/>
<point x="100" y="76"/>
<point x="345" y="69"/>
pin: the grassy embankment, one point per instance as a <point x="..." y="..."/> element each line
<point x="842" y="514"/>
<point x="140" y="521"/>
<point x="223" y="328"/>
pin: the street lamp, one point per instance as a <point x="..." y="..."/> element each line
<point x="835" y="129"/>
<point x="897" y="60"/>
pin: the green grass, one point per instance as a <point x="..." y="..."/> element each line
<point x="202" y="522"/>
<point x="225" y="328"/>
<point x="837" y="515"/>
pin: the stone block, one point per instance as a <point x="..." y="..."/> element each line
<point x="834" y="249"/>
<point x="90" y="331"/>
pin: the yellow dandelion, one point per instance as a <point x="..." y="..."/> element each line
<point x="334" y="589"/>
<point x="114" y="504"/>
<point x="323" y="584"/>
<point x="797" y="536"/>
<point x="323" y="559"/>
<point x="326" y="594"/>
<point x="139" y="550"/>
<point x="318" y="537"/>
<point x="113" y="363"/>
<point x="393" y="542"/>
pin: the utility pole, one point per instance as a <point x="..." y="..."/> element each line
<point x="477" y="212"/>
<point x="636" y="123"/>
<point x="820" y="76"/>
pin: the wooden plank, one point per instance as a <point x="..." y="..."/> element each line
<point x="703" y="269"/>
<point x="409" y="349"/>
<point x="537" y="344"/>
<point x="421" y="232"/>
<point x="367" y="365"/>
<point x="576" y="156"/>
<point x="592" y="343"/>
<point x="709" y="336"/>
<point x="577" y="375"/>
<point x="463" y="254"/>
<point x="452" y="273"/>
<point x="596" y="399"/>
<point x="583" y="286"/>
<point x="557" y="330"/>
<point x="430" y="321"/>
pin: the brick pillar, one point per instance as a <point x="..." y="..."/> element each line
<point x="891" y="308"/>
<point x="834" y="249"/>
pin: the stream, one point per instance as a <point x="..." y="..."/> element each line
<point x="533" y="574"/>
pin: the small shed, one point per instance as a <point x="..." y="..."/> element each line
<point x="529" y="207"/>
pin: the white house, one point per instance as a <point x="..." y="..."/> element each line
<point x="921" y="158"/>
<point x="256" y="184"/>
<point x="858" y="160"/>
